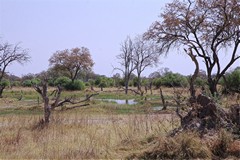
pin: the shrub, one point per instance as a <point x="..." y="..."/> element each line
<point x="51" y="82"/>
<point x="174" y="80"/>
<point x="16" y="83"/>
<point x="121" y="82"/>
<point x="62" y="81"/>
<point x="157" y="82"/>
<point x="171" y="80"/>
<point x="87" y="84"/>
<point x="199" y="82"/>
<point x="104" y="82"/>
<point x="5" y="83"/>
<point x="35" y="81"/>
<point x="27" y="83"/>
<point x="76" y="85"/>
<point x="232" y="81"/>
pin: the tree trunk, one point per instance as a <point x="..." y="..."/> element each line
<point x="47" y="110"/>
<point x="126" y="86"/>
<point x="194" y="76"/>
<point x="151" y="87"/>
<point x="163" y="100"/>
<point x="1" y="91"/>
<point x="212" y="87"/>
<point x="139" y="83"/>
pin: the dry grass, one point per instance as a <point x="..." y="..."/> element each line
<point x="189" y="145"/>
<point x="97" y="132"/>
<point x="183" y="146"/>
<point x="79" y="135"/>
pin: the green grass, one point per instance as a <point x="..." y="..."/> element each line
<point x="30" y="99"/>
<point x="20" y="111"/>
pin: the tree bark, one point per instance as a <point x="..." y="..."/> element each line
<point x="163" y="100"/>
<point x="47" y="110"/>
<point x="194" y="76"/>
<point x="139" y="82"/>
<point x="212" y="87"/>
<point x="1" y="90"/>
<point x="126" y="86"/>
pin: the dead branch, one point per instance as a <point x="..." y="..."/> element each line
<point x="178" y="99"/>
<point x="77" y="106"/>
<point x="71" y="101"/>
<point x="58" y="92"/>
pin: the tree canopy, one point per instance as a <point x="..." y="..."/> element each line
<point x="205" y="27"/>
<point x="72" y="61"/>
<point x="9" y="54"/>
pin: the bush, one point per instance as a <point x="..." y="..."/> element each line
<point x="16" y="83"/>
<point x="199" y="82"/>
<point x="103" y="82"/>
<point x="27" y="83"/>
<point x="174" y="80"/>
<point x="121" y="83"/>
<point x="171" y="80"/>
<point x="51" y="82"/>
<point x="87" y="84"/>
<point x="62" y="81"/>
<point x="76" y="85"/>
<point x="232" y="81"/>
<point x="157" y="82"/>
<point x="5" y="83"/>
<point x="35" y="81"/>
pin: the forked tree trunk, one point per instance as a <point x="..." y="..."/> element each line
<point x="47" y="107"/>
<point x="194" y="76"/>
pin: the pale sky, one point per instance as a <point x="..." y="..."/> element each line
<point x="45" y="26"/>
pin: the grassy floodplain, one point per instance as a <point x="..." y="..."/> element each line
<point x="101" y="130"/>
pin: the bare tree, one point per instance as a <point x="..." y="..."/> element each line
<point x="144" y="55"/>
<point x="126" y="61"/>
<point x="9" y="54"/>
<point x="43" y="91"/>
<point x="72" y="61"/>
<point x="208" y="27"/>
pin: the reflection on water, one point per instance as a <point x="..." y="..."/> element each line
<point x="121" y="101"/>
<point x="158" y="108"/>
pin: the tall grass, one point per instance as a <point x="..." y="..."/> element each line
<point x="74" y="135"/>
